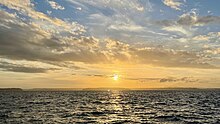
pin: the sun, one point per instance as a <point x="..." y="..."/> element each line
<point x="115" y="77"/>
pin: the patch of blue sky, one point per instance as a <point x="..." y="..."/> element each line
<point x="162" y="12"/>
<point x="205" y="7"/>
<point x="21" y="16"/>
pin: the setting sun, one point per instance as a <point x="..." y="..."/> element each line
<point x="115" y="77"/>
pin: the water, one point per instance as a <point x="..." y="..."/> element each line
<point x="170" y="107"/>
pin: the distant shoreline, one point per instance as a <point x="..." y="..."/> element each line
<point x="103" y="89"/>
<point x="11" y="89"/>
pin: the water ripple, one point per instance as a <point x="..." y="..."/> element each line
<point x="187" y="107"/>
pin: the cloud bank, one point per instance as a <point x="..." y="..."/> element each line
<point x="27" y="34"/>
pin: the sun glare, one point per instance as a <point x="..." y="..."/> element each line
<point x="115" y="77"/>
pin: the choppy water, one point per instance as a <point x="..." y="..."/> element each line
<point x="191" y="107"/>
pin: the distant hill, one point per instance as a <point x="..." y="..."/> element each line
<point x="11" y="89"/>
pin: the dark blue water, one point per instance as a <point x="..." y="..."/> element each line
<point x="170" y="107"/>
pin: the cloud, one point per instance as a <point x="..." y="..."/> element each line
<point x="97" y="75"/>
<point x="211" y="37"/>
<point x="25" y="67"/>
<point x="187" y="19"/>
<point x="183" y="79"/>
<point x="54" y="41"/>
<point x="183" y="26"/>
<point x="25" y="42"/>
<point x="40" y="20"/>
<point x="55" y="5"/>
<point x="190" y="19"/>
<point x="155" y="56"/>
<point x="215" y="51"/>
<point x="188" y="23"/>
<point x="201" y="38"/>
<point x="174" y="4"/>
<point x="208" y="20"/>
<point x="20" y="41"/>
<point x="143" y="79"/>
<point x="34" y="45"/>
<point x="166" y="79"/>
<point x="126" y="27"/>
<point x="169" y="58"/>
<point x="179" y="29"/>
<point x="112" y="18"/>
<point x="116" y="4"/>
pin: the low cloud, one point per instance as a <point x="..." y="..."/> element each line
<point x="5" y="66"/>
<point x="183" y="79"/>
<point x="170" y="58"/>
<point x="167" y="79"/>
<point x="97" y="75"/>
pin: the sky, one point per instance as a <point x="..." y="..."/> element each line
<point x="109" y="43"/>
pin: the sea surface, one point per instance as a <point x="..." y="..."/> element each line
<point x="153" y="107"/>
